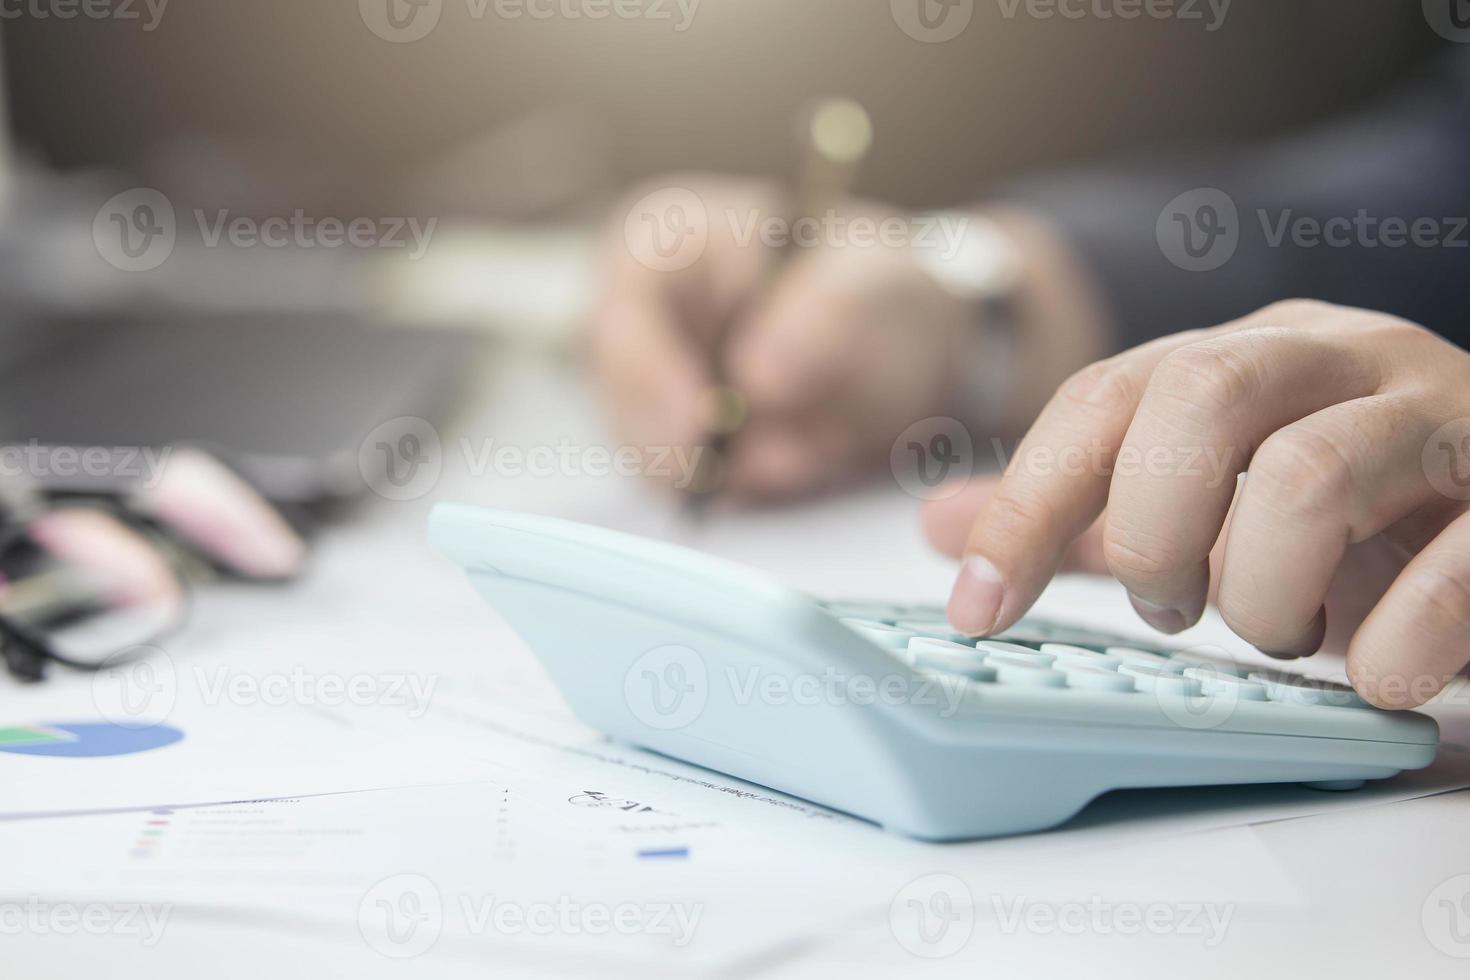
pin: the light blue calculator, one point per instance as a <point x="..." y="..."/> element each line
<point x="878" y="709"/>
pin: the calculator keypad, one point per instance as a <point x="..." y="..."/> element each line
<point x="1040" y="654"/>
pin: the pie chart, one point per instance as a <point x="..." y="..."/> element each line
<point x="85" y="739"/>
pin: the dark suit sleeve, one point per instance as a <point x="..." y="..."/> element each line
<point x="1370" y="210"/>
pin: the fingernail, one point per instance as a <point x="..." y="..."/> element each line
<point x="974" y="606"/>
<point x="1161" y="618"/>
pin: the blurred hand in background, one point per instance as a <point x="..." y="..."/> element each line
<point x="837" y="353"/>
<point x="849" y="345"/>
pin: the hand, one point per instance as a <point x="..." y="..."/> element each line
<point x="1350" y="528"/>
<point x="850" y="346"/>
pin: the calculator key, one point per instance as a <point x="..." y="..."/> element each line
<point x="1096" y="678"/>
<point x="949" y="658"/>
<point x="943" y="646"/>
<point x="1024" y="636"/>
<point x="1209" y="661"/>
<point x="934" y="663"/>
<point x="1147" y="677"/>
<point x="880" y="633"/>
<point x="1292" y="689"/>
<point x="1019" y="674"/>
<point x="1068" y="655"/>
<point x="1213" y="682"/>
<point x="1133" y="655"/>
<point x="1020" y="650"/>
<point x="934" y="642"/>
<point x="1071" y="636"/>
<point x="1016" y="651"/>
<point x="931" y="627"/>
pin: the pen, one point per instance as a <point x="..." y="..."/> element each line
<point x="833" y="140"/>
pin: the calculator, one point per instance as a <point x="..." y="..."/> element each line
<point x="879" y="709"/>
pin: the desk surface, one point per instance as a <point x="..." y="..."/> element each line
<point x="1355" y="887"/>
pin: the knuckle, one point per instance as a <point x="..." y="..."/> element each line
<point x="1302" y="471"/>
<point x="1394" y="334"/>
<point x="1440" y="597"/>
<point x="1106" y="388"/>
<point x="1289" y="312"/>
<point x="1011" y="516"/>
<point x="1344" y="321"/>
<point x="1398" y="328"/>
<point x="1135" y="558"/>
<point x="1207" y="379"/>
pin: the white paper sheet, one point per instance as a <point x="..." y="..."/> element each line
<point x="487" y="788"/>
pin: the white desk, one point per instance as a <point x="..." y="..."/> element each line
<point x="1350" y="892"/>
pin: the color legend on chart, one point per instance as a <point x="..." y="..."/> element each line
<point x="152" y="833"/>
<point x="85" y="739"/>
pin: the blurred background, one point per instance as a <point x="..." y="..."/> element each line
<point x="492" y="137"/>
<point x="531" y="119"/>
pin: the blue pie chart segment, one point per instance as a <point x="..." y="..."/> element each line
<point x="85" y="739"/>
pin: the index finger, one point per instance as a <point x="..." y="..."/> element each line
<point x="1053" y="490"/>
<point x="645" y="355"/>
<point x="653" y="377"/>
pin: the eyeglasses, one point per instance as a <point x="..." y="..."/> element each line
<point x="88" y="582"/>
<point x="84" y="584"/>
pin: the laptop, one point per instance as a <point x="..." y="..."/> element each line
<point x="286" y="398"/>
